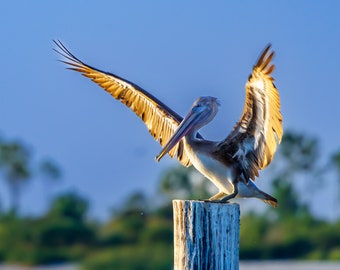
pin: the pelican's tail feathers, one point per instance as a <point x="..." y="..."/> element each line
<point x="270" y="200"/>
<point x="250" y="190"/>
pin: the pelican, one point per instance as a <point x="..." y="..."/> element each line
<point x="231" y="164"/>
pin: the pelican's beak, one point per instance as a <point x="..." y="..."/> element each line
<point x="186" y="125"/>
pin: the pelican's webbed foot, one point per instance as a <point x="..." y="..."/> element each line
<point x="221" y="197"/>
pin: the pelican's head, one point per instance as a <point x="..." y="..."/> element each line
<point x="204" y="109"/>
<point x="202" y="112"/>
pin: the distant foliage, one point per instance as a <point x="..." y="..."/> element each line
<point x="139" y="235"/>
<point x="62" y="234"/>
<point x="15" y="167"/>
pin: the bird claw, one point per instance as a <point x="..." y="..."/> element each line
<point x="216" y="201"/>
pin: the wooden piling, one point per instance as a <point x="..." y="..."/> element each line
<point x="206" y="235"/>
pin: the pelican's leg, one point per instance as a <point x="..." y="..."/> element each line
<point x="230" y="196"/>
<point x="217" y="197"/>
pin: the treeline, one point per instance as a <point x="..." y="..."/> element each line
<point x="139" y="235"/>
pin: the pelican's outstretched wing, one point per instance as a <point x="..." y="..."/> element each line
<point x="160" y="120"/>
<point x="255" y="137"/>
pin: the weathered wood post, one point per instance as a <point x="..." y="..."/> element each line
<point x="206" y="235"/>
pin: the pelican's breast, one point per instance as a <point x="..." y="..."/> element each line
<point x="211" y="168"/>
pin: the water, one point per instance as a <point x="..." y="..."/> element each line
<point x="244" y="265"/>
<point x="291" y="265"/>
<point x="49" y="267"/>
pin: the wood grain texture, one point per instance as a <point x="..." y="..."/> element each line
<point x="206" y="235"/>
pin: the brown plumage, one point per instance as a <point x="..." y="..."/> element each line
<point x="231" y="164"/>
<point x="256" y="135"/>
<point x="159" y="119"/>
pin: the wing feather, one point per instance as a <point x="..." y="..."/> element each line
<point x="159" y="119"/>
<point x="255" y="137"/>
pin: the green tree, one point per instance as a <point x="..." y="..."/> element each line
<point x="299" y="152"/>
<point x="334" y="167"/>
<point x="65" y="225"/>
<point x="296" y="161"/>
<point x="180" y="182"/>
<point x="335" y="163"/>
<point x="136" y="237"/>
<point x="69" y="205"/>
<point x="62" y="234"/>
<point x="50" y="170"/>
<point x="136" y="202"/>
<point x="15" y="166"/>
<point x="335" y="158"/>
<point x="50" y="173"/>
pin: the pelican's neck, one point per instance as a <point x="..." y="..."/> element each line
<point x="193" y="136"/>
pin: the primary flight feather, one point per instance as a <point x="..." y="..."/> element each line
<point x="231" y="164"/>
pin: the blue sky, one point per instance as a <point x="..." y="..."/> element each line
<point x="177" y="50"/>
